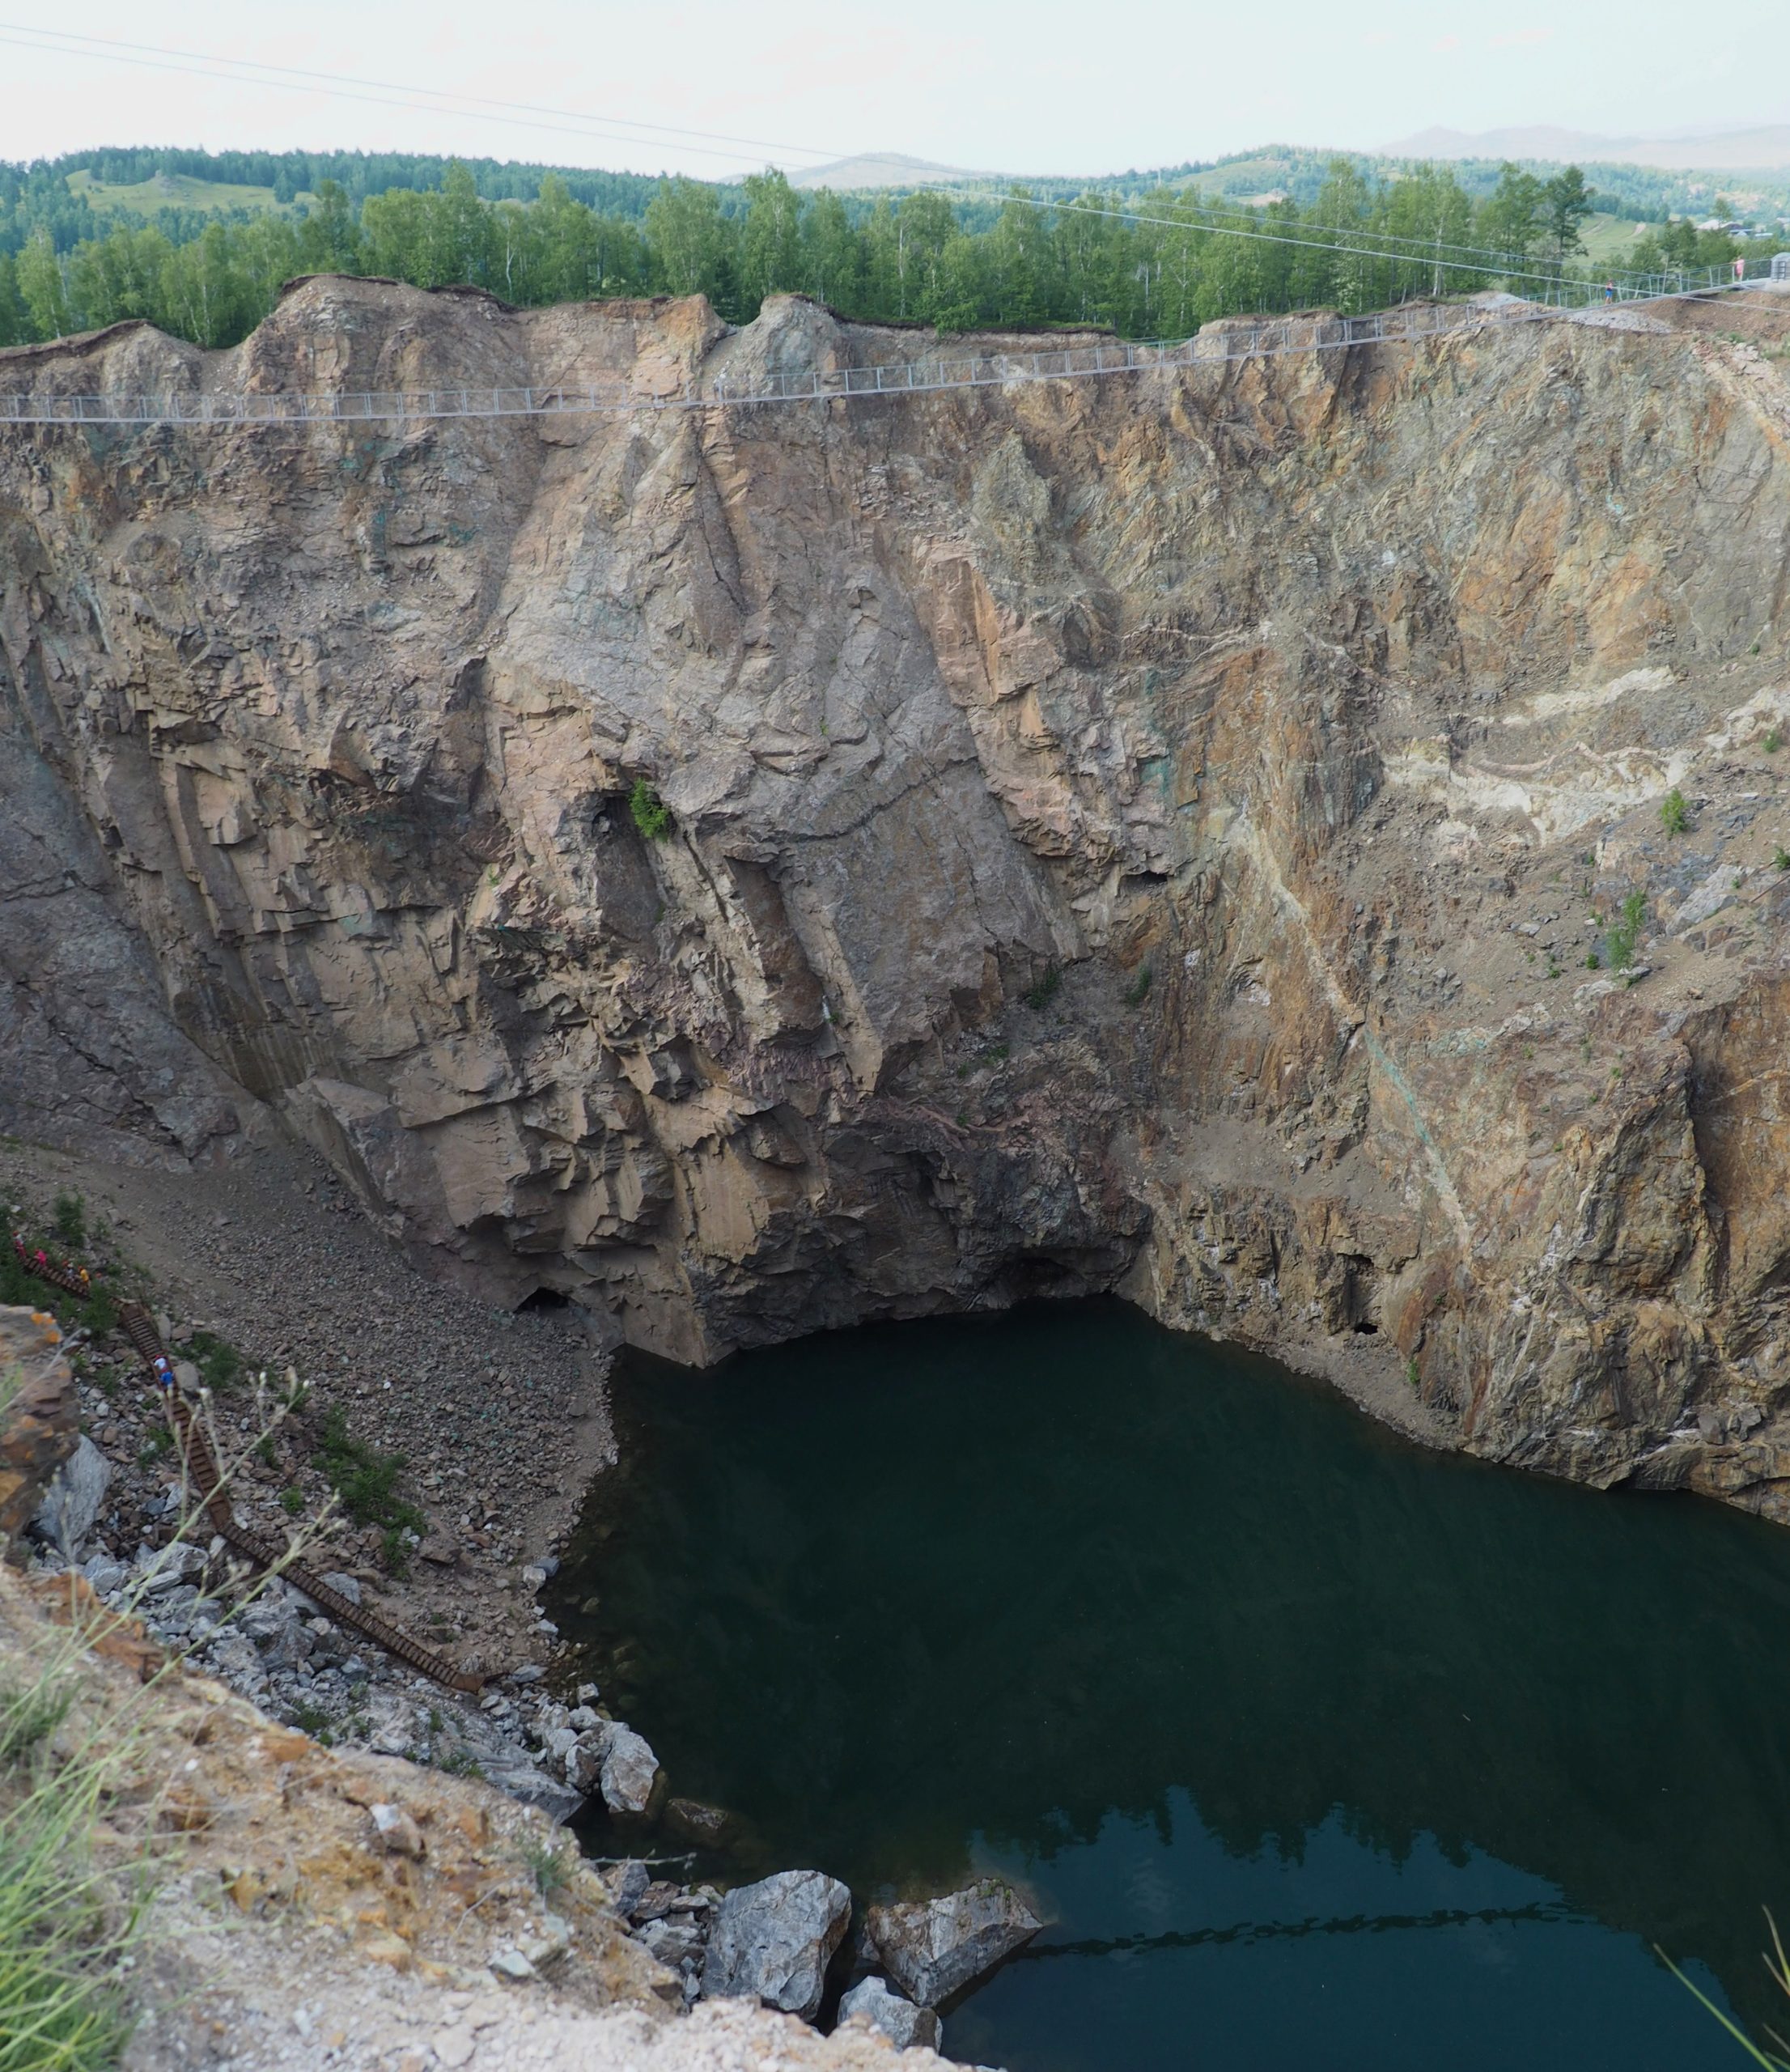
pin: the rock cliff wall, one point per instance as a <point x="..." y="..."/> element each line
<point x="1145" y="832"/>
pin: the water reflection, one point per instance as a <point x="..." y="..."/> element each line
<point x="1198" y="1652"/>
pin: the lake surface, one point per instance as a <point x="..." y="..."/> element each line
<point x="1314" y="1748"/>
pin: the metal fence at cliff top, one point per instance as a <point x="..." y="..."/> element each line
<point x="1580" y="302"/>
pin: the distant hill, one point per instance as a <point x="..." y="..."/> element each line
<point x="1766" y="150"/>
<point x="884" y="169"/>
<point x="178" y="190"/>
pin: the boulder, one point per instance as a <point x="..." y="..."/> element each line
<point x="673" y="1942"/>
<point x="614" y="1760"/>
<point x="533" y="1787"/>
<point x="558" y="1743"/>
<point x="275" y="1629"/>
<point x="703" y="1827"/>
<point x="71" y="1506"/>
<point x="934" y="1948"/>
<point x="775" y="1940"/>
<point x="233" y="1658"/>
<point x="105" y="1573"/>
<point x="630" y="1773"/>
<point x="398" y="1834"/>
<point x="160" y="1569"/>
<point x="872" y="2001"/>
<point x="584" y="1758"/>
<point x="629" y="1884"/>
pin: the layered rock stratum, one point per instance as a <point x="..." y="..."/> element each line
<point x="1142" y="834"/>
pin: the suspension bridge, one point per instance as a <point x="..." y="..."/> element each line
<point x="1618" y="304"/>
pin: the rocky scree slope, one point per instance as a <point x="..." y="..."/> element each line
<point x="1144" y="833"/>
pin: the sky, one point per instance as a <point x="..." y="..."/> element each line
<point x="990" y="85"/>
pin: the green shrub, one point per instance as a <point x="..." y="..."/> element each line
<point x="1774" y="741"/>
<point x="71" y="1221"/>
<point x="98" y="1313"/>
<point x="221" y="1366"/>
<point x="1139" y="986"/>
<point x="1674" y="814"/>
<point x="291" y="1501"/>
<point x="1627" y="933"/>
<point x="1041" y="994"/>
<point x="651" y="815"/>
<point x="364" y="1477"/>
<point x="1780" y="859"/>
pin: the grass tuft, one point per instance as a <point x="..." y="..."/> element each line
<point x="547" y="1865"/>
<point x="1779" y="1969"/>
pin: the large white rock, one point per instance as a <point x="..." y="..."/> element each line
<point x="775" y="1939"/>
<point x="934" y="1948"/>
<point x="72" y="1503"/>
<point x="630" y="1771"/>
<point x="870" y="2002"/>
<point x="612" y="1758"/>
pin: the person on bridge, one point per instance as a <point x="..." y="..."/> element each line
<point x="1740" y="269"/>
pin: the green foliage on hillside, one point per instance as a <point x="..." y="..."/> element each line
<point x="1022" y="260"/>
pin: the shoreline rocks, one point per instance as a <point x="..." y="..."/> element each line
<point x="934" y="1949"/>
<point x="875" y="2003"/>
<point x="775" y="1939"/>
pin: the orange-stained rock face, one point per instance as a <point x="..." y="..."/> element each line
<point x="1148" y="832"/>
<point x="39" y="1418"/>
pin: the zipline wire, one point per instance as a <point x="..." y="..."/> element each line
<point x="1213" y="218"/>
<point x="342" y="86"/>
<point x="1354" y="243"/>
<point x="1490" y="261"/>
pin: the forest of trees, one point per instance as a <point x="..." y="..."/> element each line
<point x="1168" y="265"/>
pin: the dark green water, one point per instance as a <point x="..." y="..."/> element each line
<point x="1317" y="1749"/>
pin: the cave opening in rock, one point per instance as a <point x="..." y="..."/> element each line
<point x="543" y="1298"/>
